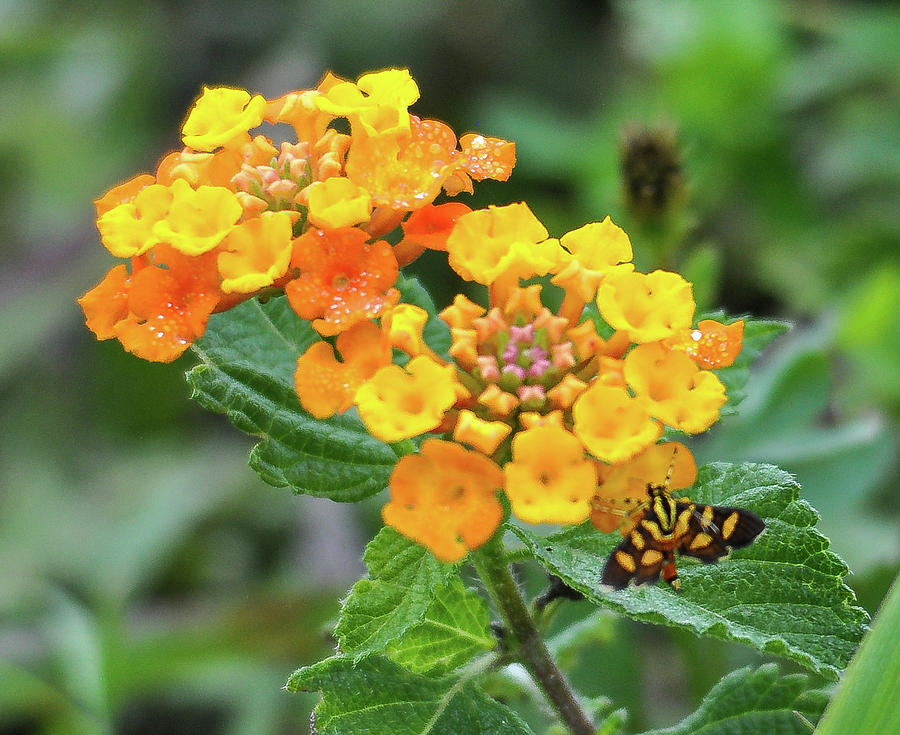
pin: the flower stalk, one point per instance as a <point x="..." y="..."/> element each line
<point x="492" y="568"/>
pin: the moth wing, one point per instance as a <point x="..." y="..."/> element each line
<point x="649" y="571"/>
<point x="618" y="574"/>
<point x="714" y="530"/>
<point x="738" y="527"/>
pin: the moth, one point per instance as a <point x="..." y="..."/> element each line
<point x="664" y="525"/>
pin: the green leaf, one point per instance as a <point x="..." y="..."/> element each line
<point x="248" y="357"/>
<point x="374" y="695"/>
<point x="789" y="419"/>
<point x="456" y="628"/>
<point x="755" y="701"/>
<point x="404" y="577"/>
<point x="866" y="699"/>
<point x="783" y="594"/>
<point x="757" y="334"/>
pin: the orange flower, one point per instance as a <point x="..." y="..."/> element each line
<point x="624" y="486"/>
<point x="343" y="279"/>
<point x="106" y="304"/>
<point x="326" y="386"/>
<point x="122" y="193"/>
<point x="201" y="168"/>
<point x="445" y="498"/>
<point x="487" y="158"/>
<point x="428" y="227"/>
<point x="710" y="344"/>
<point x="549" y="480"/>
<point x="168" y="304"/>
<point x="404" y="172"/>
<point x="485" y="436"/>
<point x="462" y="312"/>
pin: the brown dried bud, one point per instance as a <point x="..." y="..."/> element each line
<point x="652" y="175"/>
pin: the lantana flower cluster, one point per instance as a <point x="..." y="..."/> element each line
<point x="230" y="215"/>
<point x="532" y="402"/>
<point x="558" y="413"/>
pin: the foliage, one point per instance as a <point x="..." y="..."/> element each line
<point x="754" y="701"/>
<point x="863" y="701"/>
<point x="784" y="594"/>
<point x="184" y="589"/>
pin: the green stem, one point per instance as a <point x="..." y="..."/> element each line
<point x="503" y="589"/>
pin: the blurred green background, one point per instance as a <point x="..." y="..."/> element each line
<point x="150" y="583"/>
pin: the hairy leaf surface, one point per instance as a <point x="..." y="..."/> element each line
<point x="783" y="594"/>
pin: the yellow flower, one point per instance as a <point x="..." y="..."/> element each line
<point x="221" y="117"/>
<point x="299" y="110"/>
<point x="338" y="202"/>
<point x="198" y="219"/>
<point x="407" y="323"/>
<point x="378" y="102"/>
<point x="549" y="480"/>
<point x="611" y="424"/>
<point x="599" y="246"/>
<point x="670" y="386"/>
<point x="593" y="252"/>
<point x="510" y="240"/>
<point x="485" y="436"/>
<point x="649" y="306"/>
<point x="127" y="230"/>
<point x="398" y="404"/>
<point x="256" y="252"/>
<point x="445" y="498"/>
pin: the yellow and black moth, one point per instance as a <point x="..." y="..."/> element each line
<point x="664" y="525"/>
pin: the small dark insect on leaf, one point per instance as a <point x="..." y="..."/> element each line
<point x="664" y="525"/>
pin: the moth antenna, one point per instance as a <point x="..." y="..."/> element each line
<point x="706" y="526"/>
<point x="614" y="502"/>
<point x="671" y="467"/>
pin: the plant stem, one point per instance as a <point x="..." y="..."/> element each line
<point x="503" y="589"/>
